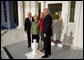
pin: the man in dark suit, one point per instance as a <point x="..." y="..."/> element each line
<point x="47" y="31"/>
<point x="27" y="27"/>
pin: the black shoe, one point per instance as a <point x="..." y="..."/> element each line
<point x="41" y="50"/>
<point x="49" y="53"/>
<point x="29" y="46"/>
<point x="45" y="56"/>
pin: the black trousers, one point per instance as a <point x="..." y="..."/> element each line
<point x="47" y="45"/>
<point x="35" y="37"/>
<point x="29" y="38"/>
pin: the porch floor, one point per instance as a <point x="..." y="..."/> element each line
<point x="18" y="51"/>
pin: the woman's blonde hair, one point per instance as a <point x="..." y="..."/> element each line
<point x="41" y="13"/>
<point x="35" y="16"/>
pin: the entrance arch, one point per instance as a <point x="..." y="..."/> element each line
<point x="65" y="14"/>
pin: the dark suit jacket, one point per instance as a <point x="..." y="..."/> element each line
<point x="47" y="23"/>
<point x="27" y="24"/>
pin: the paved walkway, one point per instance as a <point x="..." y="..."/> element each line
<point x="18" y="51"/>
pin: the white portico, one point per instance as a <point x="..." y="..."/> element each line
<point x="75" y="28"/>
<point x="67" y="26"/>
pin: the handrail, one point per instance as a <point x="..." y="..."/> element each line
<point x="2" y="33"/>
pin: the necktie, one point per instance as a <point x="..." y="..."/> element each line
<point x="30" y="20"/>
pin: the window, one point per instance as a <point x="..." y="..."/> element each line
<point x="5" y="12"/>
<point x="72" y="11"/>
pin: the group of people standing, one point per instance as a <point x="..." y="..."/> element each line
<point x="35" y="28"/>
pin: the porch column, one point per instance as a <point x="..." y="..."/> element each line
<point x="65" y="15"/>
<point x="34" y="8"/>
<point x="20" y="14"/>
<point x="78" y="38"/>
<point x="27" y="7"/>
<point x="42" y="5"/>
<point x="80" y="34"/>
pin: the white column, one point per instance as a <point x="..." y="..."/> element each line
<point x="79" y="24"/>
<point x="34" y="8"/>
<point x="80" y="35"/>
<point x="46" y="4"/>
<point x="65" y="14"/>
<point x="20" y="14"/>
<point x="42" y="5"/>
<point x="27" y="7"/>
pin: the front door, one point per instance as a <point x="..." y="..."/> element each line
<point x="55" y="12"/>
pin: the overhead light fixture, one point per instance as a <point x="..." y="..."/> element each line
<point x="56" y="13"/>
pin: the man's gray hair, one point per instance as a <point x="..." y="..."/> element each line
<point x="29" y="12"/>
<point x="46" y="9"/>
